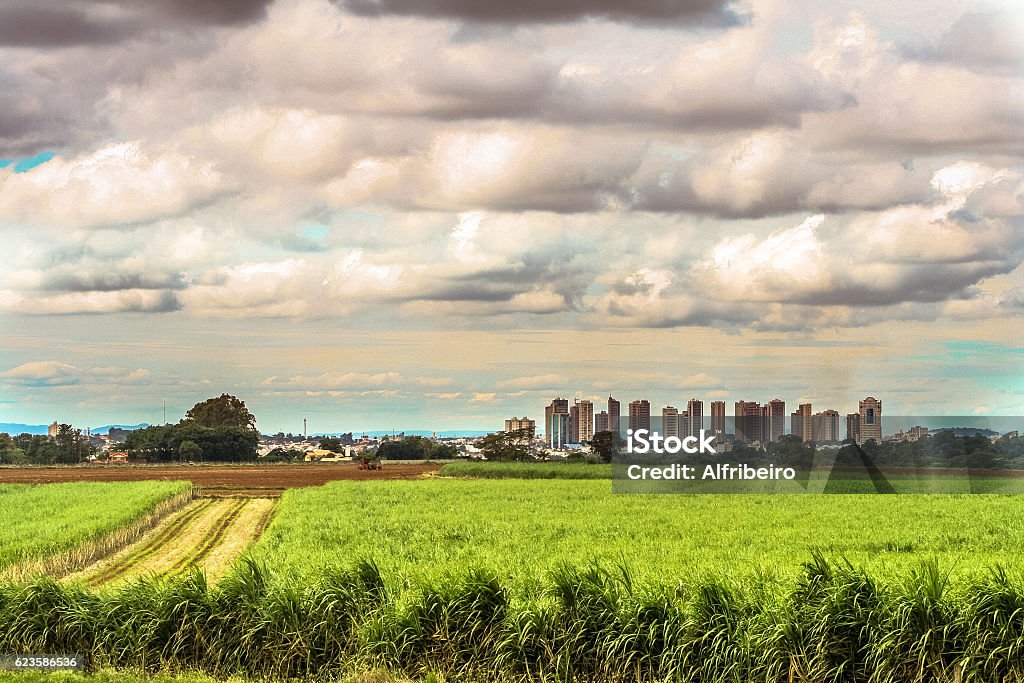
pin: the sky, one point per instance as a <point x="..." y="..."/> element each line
<point x="437" y="214"/>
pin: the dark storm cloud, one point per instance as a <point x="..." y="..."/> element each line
<point x="933" y="283"/>
<point x="540" y="11"/>
<point x="565" y="276"/>
<point x="207" y="12"/>
<point x="88" y="22"/>
<point x="45" y="26"/>
<point x="112" y="282"/>
<point x="470" y="291"/>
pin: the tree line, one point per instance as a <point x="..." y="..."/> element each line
<point x="69" y="447"/>
<point x="218" y="429"/>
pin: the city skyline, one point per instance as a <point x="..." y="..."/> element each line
<point x="578" y="421"/>
<point x="595" y="408"/>
<point x="438" y="215"/>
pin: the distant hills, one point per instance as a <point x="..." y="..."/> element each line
<point x="14" y="428"/>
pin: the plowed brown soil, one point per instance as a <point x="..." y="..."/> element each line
<point x="259" y="480"/>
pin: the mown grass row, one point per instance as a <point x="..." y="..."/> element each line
<point x="153" y="545"/>
<point x="835" y="623"/>
<point x="527" y="470"/>
<point x="212" y="538"/>
<point x="56" y="529"/>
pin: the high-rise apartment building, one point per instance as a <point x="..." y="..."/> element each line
<point x="601" y="422"/>
<point x="825" y="427"/>
<point x="585" y="421"/>
<point x="613" y="415"/>
<point x="870" y="420"/>
<point x="558" y="431"/>
<point x="718" y="418"/>
<point x="853" y="427"/>
<point x="801" y="424"/>
<point x="556" y="423"/>
<point x="776" y="423"/>
<point x="670" y="422"/>
<point x="748" y="421"/>
<point x="694" y="417"/>
<point x="518" y="423"/>
<point x="574" y="423"/>
<point x="756" y="422"/>
<point x="640" y="414"/>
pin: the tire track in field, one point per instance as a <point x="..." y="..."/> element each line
<point x="149" y="545"/>
<point x="208" y="534"/>
<point x="264" y="521"/>
<point x="213" y="537"/>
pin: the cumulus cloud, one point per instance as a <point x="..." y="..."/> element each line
<point x="910" y="107"/>
<point x="116" y="185"/>
<point x="125" y="301"/>
<point x="908" y="262"/>
<point x="574" y="166"/>
<point x="53" y="373"/>
<point x="982" y="41"/>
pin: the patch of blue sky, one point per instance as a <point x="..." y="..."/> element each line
<point x="28" y="163"/>
<point x="958" y="348"/>
<point x="316" y="232"/>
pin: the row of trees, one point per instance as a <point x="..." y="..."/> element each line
<point x="945" y="449"/>
<point x="218" y="429"/>
<point x="516" y="445"/>
<point x="70" y="446"/>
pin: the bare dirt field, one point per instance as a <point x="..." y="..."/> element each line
<point x="246" y="480"/>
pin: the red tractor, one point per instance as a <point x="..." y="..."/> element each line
<point x="366" y="463"/>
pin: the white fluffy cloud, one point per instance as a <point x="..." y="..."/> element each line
<point x="313" y="161"/>
<point x="118" y="184"/>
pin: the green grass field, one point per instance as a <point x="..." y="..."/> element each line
<point x="526" y="470"/>
<point x="519" y="529"/>
<point x="562" y="580"/>
<point x="44" y="520"/>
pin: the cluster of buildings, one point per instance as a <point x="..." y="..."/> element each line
<point x="567" y="425"/>
<point x="912" y="434"/>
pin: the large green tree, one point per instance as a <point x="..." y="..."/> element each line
<point x="164" y="443"/>
<point x="10" y="454"/>
<point x="223" y="411"/>
<point x="512" y="445"/>
<point x="332" y="443"/>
